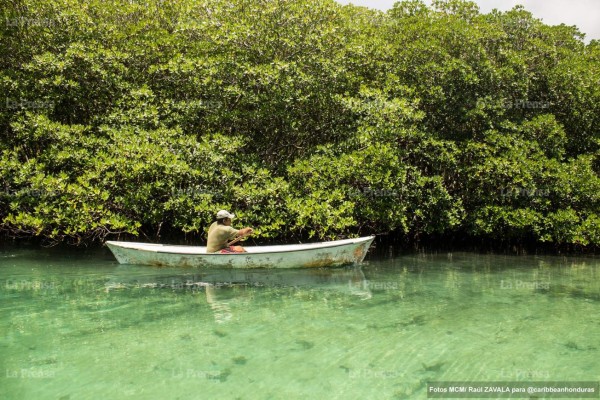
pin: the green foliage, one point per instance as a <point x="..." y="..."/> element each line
<point x="305" y="118"/>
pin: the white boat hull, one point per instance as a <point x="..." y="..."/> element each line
<point x="315" y="255"/>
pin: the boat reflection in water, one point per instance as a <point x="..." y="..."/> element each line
<point x="221" y="287"/>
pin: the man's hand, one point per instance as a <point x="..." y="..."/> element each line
<point x="246" y="231"/>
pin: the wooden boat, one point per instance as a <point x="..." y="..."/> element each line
<point x="314" y="255"/>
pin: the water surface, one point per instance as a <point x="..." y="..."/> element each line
<point x="79" y="326"/>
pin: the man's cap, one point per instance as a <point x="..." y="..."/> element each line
<point x="225" y="214"/>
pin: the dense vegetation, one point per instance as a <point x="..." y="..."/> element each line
<point x="304" y="117"/>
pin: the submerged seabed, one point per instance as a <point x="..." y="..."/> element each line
<point x="86" y="328"/>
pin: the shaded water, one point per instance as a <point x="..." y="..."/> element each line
<point x="84" y="327"/>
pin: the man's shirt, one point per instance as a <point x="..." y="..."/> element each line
<point x="218" y="236"/>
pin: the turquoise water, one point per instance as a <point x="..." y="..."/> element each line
<point x="84" y="327"/>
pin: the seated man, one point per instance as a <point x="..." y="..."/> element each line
<point x="221" y="232"/>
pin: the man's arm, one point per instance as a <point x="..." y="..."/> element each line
<point x="235" y="233"/>
<point x="245" y="231"/>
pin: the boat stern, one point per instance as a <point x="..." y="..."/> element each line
<point x="362" y="249"/>
<point x="351" y="253"/>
